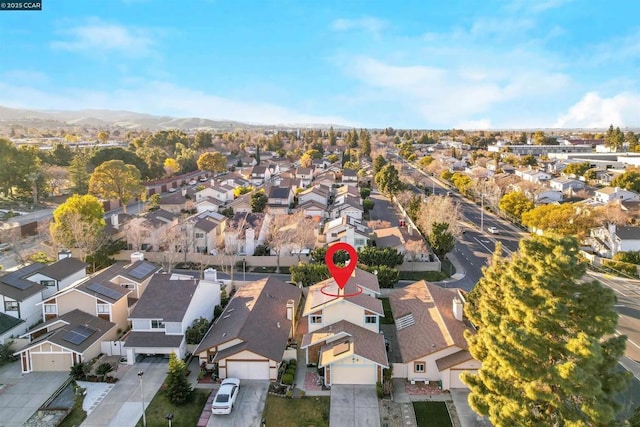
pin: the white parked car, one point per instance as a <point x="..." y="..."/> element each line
<point x="493" y="230"/>
<point x="226" y="396"/>
<point x="193" y="182"/>
<point x="173" y="190"/>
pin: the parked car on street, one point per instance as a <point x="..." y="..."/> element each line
<point x="226" y="396"/>
<point x="493" y="230"/>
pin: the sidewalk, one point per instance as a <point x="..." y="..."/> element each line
<point x="460" y="271"/>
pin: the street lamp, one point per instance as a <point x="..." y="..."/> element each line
<point x="144" y="417"/>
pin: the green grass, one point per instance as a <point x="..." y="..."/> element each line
<point x="186" y="415"/>
<point x="388" y="316"/>
<point x="309" y="411"/>
<point x="77" y="414"/>
<point x="432" y="414"/>
<point x="429" y="276"/>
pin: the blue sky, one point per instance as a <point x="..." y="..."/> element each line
<point x="366" y="63"/>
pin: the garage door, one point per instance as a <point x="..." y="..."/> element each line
<point x="245" y="370"/>
<point x="51" y="362"/>
<point x="356" y="374"/>
<point x="455" y="381"/>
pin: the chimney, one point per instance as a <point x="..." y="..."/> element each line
<point x="184" y="192"/>
<point x="457" y="309"/>
<point x="114" y="220"/>
<point x="137" y="256"/>
<point x="211" y="275"/>
<point x="278" y="324"/>
<point x="290" y="309"/>
<point x="65" y="253"/>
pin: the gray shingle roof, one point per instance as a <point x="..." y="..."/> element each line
<point x="64" y="268"/>
<point x="165" y="299"/>
<point x="366" y="343"/>
<point x="15" y="285"/>
<point x="256" y="315"/>
<point x="152" y="339"/>
<point x="8" y="322"/>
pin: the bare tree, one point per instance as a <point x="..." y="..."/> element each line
<point x="135" y="232"/>
<point x="415" y="249"/>
<point x="282" y="231"/>
<point x="57" y="177"/>
<point x="305" y="232"/>
<point x="439" y="209"/>
<point x="377" y="224"/>
<point x="171" y="244"/>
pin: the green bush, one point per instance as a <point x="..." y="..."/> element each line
<point x="293" y="362"/>
<point x="379" y="390"/>
<point x="618" y="267"/>
<point x="287" y="379"/>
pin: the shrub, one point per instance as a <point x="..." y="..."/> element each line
<point x="103" y="369"/>
<point x="287" y="379"/>
<point x="293" y="362"/>
<point x="379" y="390"/>
<point x="79" y="371"/>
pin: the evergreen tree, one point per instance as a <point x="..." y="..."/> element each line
<point x="365" y="143"/>
<point x="258" y="155"/>
<point x="332" y="136"/>
<point x="178" y="387"/>
<point x="545" y="339"/>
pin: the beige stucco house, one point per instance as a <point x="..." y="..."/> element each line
<point x="343" y="336"/>
<point x="430" y="331"/>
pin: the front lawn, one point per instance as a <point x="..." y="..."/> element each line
<point x="310" y="411"/>
<point x="77" y="414"/>
<point x="388" y="316"/>
<point x="432" y="414"/>
<point x="186" y="415"/>
<point x="429" y="276"/>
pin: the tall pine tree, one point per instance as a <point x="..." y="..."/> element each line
<point x="545" y="339"/>
<point x="178" y="387"/>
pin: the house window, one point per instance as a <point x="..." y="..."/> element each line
<point x="48" y="282"/>
<point x="11" y="306"/>
<point x="316" y="318"/>
<point x="199" y="235"/>
<point x="50" y="308"/>
<point x="419" y="367"/>
<point x="102" y="308"/>
<point x="157" y="324"/>
<point x="359" y="242"/>
<point x="371" y="320"/>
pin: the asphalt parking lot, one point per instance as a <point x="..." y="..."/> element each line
<point x="247" y="412"/>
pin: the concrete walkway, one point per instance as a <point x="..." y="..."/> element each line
<point x="467" y="417"/>
<point x="354" y="405"/>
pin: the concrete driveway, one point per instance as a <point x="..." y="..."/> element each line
<point x="22" y="394"/>
<point x="247" y="411"/>
<point x="122" y="406"/>
<point x="354" y="405"/>
<point x="467" y="417"/>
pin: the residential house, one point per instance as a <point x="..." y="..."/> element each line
<point x="343" y="337"/>
<point x="60" y="343"/>
<point x="347" y="229"/>
<point x="390" y="237"/>
<point x="242" y="204"/>
<point x="175" y="202"/>
<point x="168" y="307"/>
<point x="207" y="229"/>
<point x="566" y="185"/>
<point x="222" y="192"/>
<point x="259" y="174"/>
<point x="430" y="331"/>
<point x="532" y="175"/>
<point x="312" y="209"/>
<point x="244" y="232"/>
<point x="305" y="175"/>
<point x="248" y="340"/>
<point x="608" y="241"/>
<point x="149" y="231"/>
<point x="543" y="196"/>
<point x="350" y="177"/>
<point x="22" y="290"/>
<point x="279" y="200"/>
<point x="317" y="193"/>
<point x="209" y="204"/>
<point x="347" y="206"/>
<point x="611" y="194"/>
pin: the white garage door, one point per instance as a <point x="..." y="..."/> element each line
<point x="46" y="362"/>
<point x="356" y="374"/>
<point x="455" y="381"/>
<point x="246" y="370"/>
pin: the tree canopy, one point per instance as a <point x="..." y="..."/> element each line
<point x="212" y="161"/>
<point x="116" y="180"/>
<point x="566" y="219"/>
<point x="515" y="204"/>
<point x="629" y="180"/>
<point x="79" y="223"/>
<point x="546" y="340"/>
<point x="388" y="181"/>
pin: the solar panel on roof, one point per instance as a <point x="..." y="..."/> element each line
<point x="103" y="290"/>
<point x="140" y="271"/>
<point x="78" y="334"/>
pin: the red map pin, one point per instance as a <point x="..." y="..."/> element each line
<point x="341" y="274"/>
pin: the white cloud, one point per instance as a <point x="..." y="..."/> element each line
<point x="367" y="24"/>
<point x="445" y="96"/>
<point x="593" y="111"/>
<point x="27" y="77"/>
<point x="97" y="37"/>
<point x="162" y="99"/>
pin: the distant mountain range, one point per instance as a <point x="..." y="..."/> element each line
<point x="43" y="119"/>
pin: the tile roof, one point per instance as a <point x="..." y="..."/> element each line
<point x="256" y="315"/>
<point x="362" y="342"/>
<point x="63" y="268"/>
<point x="72" y="320"/>
<point x="434" y="327"/>
<point x="453" y="359"/>
<point x="165" y="299"/>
